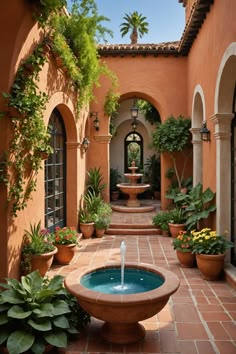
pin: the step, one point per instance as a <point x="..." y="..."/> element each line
<point x="131" y="226"/>
<point x="133" y="231"/>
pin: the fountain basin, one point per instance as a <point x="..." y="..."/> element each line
<point x="133" y="191"/>
<point x="122" y="312"/>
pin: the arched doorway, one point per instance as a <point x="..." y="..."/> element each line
<point x="55" y="175"/>
<point x="133" y="150"/>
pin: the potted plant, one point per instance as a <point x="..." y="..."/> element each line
<point x="88" y="213"/>
<point x="115" y="178"/>
<point x="38" y="249"/>
<point x="152" y="169"/>
<point x="177" y="220"/>
<point x="94" y="181"/>
<point x="183" y="244"/>
<point x="37" y="312"/>
<point x="198" y="205"/>
<point x="173" y="137"/>
<point x="66" y="241"/>
<point x="210" y="251"/>
<point x="161" y="221"/>
<point x="102" y="219"/>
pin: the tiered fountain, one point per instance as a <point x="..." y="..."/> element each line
<point x="133" y="189"/>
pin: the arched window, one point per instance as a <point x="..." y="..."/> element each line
<point x="55" y="175"/>
<point x="133" y="150"/>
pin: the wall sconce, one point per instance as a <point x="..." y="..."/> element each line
<point x="205" y="133"/>
<point x="85" y="144"/>
<point x="134" y="115"/>
<point x="134" y="111"/>
<point x="96" y="122"/>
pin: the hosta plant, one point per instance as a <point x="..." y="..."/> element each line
<point x="35" y="312"/>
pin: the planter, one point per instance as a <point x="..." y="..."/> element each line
<point x="210" y="266"/>
<point x="87" y="229"/>
<point x="99" y="232"/>
<point x="42" y="262"/>
<point x="175" y="229"/>
<point x="115" y="195"/>
<point x="186" y="259"/>
<point x="65" y="253"/>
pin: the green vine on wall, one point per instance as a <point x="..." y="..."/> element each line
<point x="26" y="104"/>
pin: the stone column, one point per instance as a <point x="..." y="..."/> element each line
<point x="222" y="135"/>
<point x="197" y="155"/>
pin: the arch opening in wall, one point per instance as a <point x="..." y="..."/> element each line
<point x="133" y="150"/>
<point x="55" y="174"/>
<point x="198" y="116"/>
<point x="233" y="180"/>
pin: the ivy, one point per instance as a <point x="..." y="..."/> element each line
<point x="26" y="103"/>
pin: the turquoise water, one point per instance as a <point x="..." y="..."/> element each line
<point x="109" y="281"/>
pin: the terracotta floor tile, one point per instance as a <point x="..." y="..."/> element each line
<point x="190" y="314"/>
<point x="215" y="316"/>
<point x="217" y="330"/>
<point x="187" y="347"/>
<point x="205" y="347"/>
<point x="226" y="347"/>
<point x="230" y="328"/>
<point x="191" y="331"/>
<point x="169" y="342"/>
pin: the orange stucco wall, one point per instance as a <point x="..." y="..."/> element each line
<point x="215" y="35"/>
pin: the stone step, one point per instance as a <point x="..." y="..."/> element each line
<point x="131" y="226"/>
<point x="133" y="231"/>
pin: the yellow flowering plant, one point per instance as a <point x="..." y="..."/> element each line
<point x="183" y="242"/>
<point x="65" y="235"/>
<point x="206" y="241"/>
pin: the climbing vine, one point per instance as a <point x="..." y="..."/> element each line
<point x="73" y="39"/>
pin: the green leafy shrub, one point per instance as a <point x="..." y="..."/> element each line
<point x="37" y="311"/>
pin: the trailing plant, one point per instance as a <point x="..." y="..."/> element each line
<point x="26" y="104"/>
<point x="37" y="311"/>
<point x="173" y="137"/>
<point x="151" y="115"/>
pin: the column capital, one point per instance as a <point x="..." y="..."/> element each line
<point x="222" y="123"/>
<point x="103" y="139"/>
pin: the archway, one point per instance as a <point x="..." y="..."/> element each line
<point x="198" y="116"/>
<point x="222" y="119"/>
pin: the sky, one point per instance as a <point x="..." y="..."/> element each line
<point x="166" y="19"/>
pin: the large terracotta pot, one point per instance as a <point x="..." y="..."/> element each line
<point x="186" y="259"/>
<point x="210" y="266"/>
<point x="65" y="253"/>
<point x="42" y="262"/>
<point x="175" y="229"/>
<point x="87" y="229"/>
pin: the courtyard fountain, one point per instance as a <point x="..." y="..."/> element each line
<point x="133" y="189"/>
<point x="121" y="295"/>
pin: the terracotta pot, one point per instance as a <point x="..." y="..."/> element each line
<point x="175" y="229"/>
<point x="87" y="229"/>
<point x="165" y="233"/>
<point x="186" y="259"/>
<point x="99" y="232"/>
<point x="42" y="262"/>
<point x="210" y="266"/>
<point x="115" y="195"/>
<point x="65" y="253"/>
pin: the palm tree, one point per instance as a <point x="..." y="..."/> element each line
<point x="136" y="23"/>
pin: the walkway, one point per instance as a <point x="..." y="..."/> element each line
<point x="200" y="318"/>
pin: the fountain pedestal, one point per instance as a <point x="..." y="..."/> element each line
<point x="121" y="333"/>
